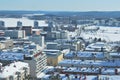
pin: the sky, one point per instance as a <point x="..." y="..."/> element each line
<point x="61" y="5"/>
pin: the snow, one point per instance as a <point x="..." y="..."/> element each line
<point x="41" y="75"/>
<point x="11" y="56"/>
<point x="72" y="77"/>
<point x="52" y="52"/>
<point x="89" y="54"/>
<point x="91" y="27"/>
<point x="115" y="54"/>
<point x="97" y="46"/>
<point x="88" y="63"/>
<point x="85" y="55"/>
<point x="108" y="71"/>
<point x="110" y="34"/>
<point x="81" y="70"/>
<point x="12" y="68"/>
<point x="109" y="77"/>
<point x="12" y="22"/>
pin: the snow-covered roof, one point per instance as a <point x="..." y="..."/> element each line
<point x="11" y="56"/>
<point x="97" y="46"/>
<point x="36" y="29"/>
<point x="72" y="77"/>
<point x="109" y="77"/>
<point x="85" y="54"/>
<point x="12" y="69"/>
<point x="88" y="63"/>
<point x="91" y="54"/>
<point x="51" y="52"/>
<point x="89" y="70"/>
<point x="91" y="27"/>
<point x="117" y="55"/>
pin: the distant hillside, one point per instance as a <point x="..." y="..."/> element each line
<point x="90" y="14"/>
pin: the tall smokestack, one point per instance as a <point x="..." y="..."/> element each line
<point x="43" y="41"/>
<point x="43" y="34"/>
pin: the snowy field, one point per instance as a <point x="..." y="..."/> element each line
<point x="12" y="22"/>
<point x="110" y="34"/>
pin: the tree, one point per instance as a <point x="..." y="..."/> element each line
<point x="95" y="39"/>
<point x="118" y="49"/>
<point x="99" y="40"/>
<point x="25" y="71"/>
<point x="18" y="75"/>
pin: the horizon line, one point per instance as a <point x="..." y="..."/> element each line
<point x="67" y="10"/>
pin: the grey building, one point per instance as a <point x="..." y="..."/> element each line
<point x="15" y="34"/>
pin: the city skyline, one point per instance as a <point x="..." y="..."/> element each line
<point x="61" y="5"/>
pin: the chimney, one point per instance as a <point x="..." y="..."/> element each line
<point x="43" y="34"/>
<point x="43" y="42"/>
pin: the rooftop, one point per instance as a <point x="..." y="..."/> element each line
<point x="85" y="55"/>
<point x="88" y="63"/>
<point x="12" y="69"/>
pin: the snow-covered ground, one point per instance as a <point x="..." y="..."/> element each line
<point x="12" y="22"/>
<point x="109" y="34"/>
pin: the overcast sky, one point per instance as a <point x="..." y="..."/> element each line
<point x="61" y="5"/>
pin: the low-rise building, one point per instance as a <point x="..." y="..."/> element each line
<point x="2" y="46"/>
<point x="8" y="43"/>
<point x="53" y="57"/>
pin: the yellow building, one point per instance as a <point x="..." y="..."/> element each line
<point x="53" y="57"/>
<point x="2" y="46"/>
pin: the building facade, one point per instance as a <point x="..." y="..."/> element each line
<point x="15" y="34"/>
<point x="53" y="57"/>
<point x="37" y="62"/>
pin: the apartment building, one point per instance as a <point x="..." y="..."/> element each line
<point x="37" y="62"/>
<point x="36" y="59"/>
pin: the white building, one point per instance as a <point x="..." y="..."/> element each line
<point x="36" y="59"/>
<point x="37" y="63"/>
